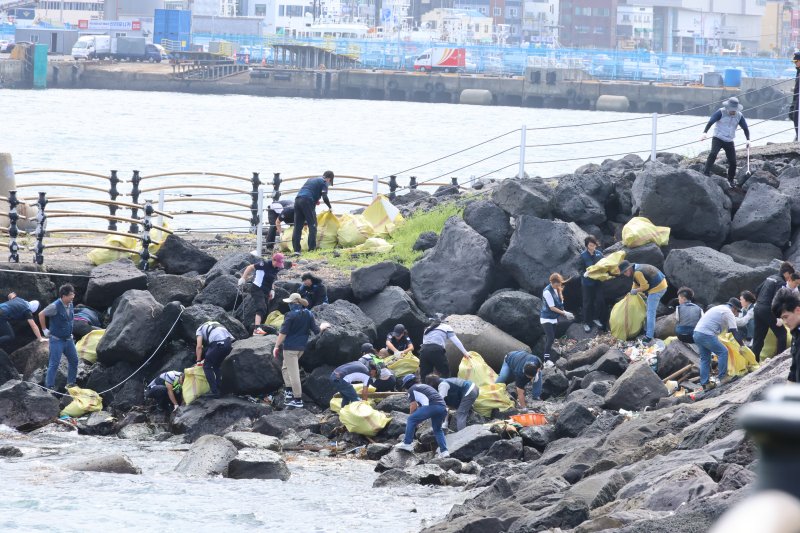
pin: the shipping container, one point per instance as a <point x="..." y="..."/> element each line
<point x="173" y="26"/>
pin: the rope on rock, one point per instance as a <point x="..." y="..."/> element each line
<point x="37" y="273"/>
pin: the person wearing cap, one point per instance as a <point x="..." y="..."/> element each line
<point x="305" y="209"/>
<point x="552" y="308"/>
<point x="459" y="394"/>
<point x="212" y="347"/>
<point x="426" y="404"/>
<point x="398" y="342"/>
<point x="718" y="319"/>
<point x="795" y="93"/>
<point x="61" y="316"/>
<point x="165" y="390"/>
<point x="687" y="314"/>
<point x="313" y="290"/>
<point x="432" y="353"/>
<point x="17" y="308"/>
<point x="650" y="283"/>
<point x="523" y="367"/>
<point x="727" y="118"/>
<point x="386" y="380"/>
<point x="298" y="325"/>
<point x="355" y="372"/>
<point x="264" y="275"/>
<point x="279" y="212"/>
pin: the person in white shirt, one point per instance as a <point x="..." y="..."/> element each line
<point x="432" y="352"/>
<point x="213" y="346"/>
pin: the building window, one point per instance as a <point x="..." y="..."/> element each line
<point x="512" y="12"/>
<point x="281" y="11"/>
<point x="261" y="10"/>
<point x="482" y="10"/>
<point x="600" y="30"/>
<point x="626" y="18"/>
<point x="582" y="29"/>
<point x="497" y="12"/>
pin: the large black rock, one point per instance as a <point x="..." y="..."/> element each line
<point x="232" y="264"/>
<point x="25" y="406"/>
<point x="258" y="464"/>
<point x="123" y="397"/>
<point x="276" y="424"/>
<point x="582" y="198"/>
<point x="394" y="306"/>
<point x="523" y="197"/>
<point x="470" y="441"/>
<point x="111" y="280"/>
<point x="753" y="254"/>
<point x="133" y="334"/>
<point x="210" y="416"/>
<point x="488" y="219"/>
<point x="340" y="343"/>
<point x="636" y="389"/>
<point x="456" y="276"/>
<point x="251" y="368"/>
<point x="167" y="288"/>
<point x="193" y="317"/>
<point x="764" y="216"/>
<point x="515" y="312"/>
<point x="318" y="385"/>
<point x="370" y="280"/>
<point x="179" y="256"/>
<point x="7" y="369"/>
<point x="675" y="357"/>
<point x="572" y="420"/>
<point x="210" y="455"/>
<point x="28" y="286"/>
<point x="613" y="362"/>
<point x="649" y="254"/>
<point x="221" y="291"/>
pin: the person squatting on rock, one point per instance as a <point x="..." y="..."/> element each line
<point x="355" y="372"/>
<point x="166" y="390"/>
<point x="762" y="315"/>
<point x="786" y="307"/>
<point x="552" y="308"/>
<point x="648" y="282"/>
<point x="398" y="342"/>
<point x="305" y="206"/>
<point x="266" y="272"/>
<point x="60" y="313"/>
<point x="591" y="290"/>
<point x="279" y="212"/>
<point x="213" y="346"/>
<point x="85" y="321"/>
<point x="745" y="321"/>
<point x="459" y="394"/>
<point x="687" y="314"/>
<point x="795" y="93"/>
<point x="298" y="325"/>
<point x="522" y="367"/>
<point x="727" y="118"/>
<point x="426" y="404"/>
<point x="386" y="380"/>
<point x="17" y="308"/>
<point x="432" y="352"/>
<point x="313" y="290"/>
<point x="717" y="320"/>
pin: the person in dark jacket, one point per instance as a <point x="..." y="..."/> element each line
<point x="593" y="305"/>
<point x="212" y="347"/>
<point x="279" y="212"/>
<point x="305" y="209"/>
<point x="386" y="380"/>
<point x="522" y="367"/>
<point x="650" y="282"/>
<point x="786" y="307"/>
<point x="426" y="404"/>
<point x="398" y="342"/>
<point x="17" y="308"/>
<point x="687" y="315"/>
<point x="356" y="372"/>
<point x="313" y="290"/>
<point x="61" y="314"/>
<point x="86" y="320"/>
<point x="264" y="274"/>
<point x="762" y="315"/>
<point x="727" y="118"/>
<point x="166" y="390"/>
<point x="459" y="394"/>
<point x="795" y="93"/>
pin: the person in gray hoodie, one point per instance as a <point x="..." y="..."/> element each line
<point x="727" y="118"/>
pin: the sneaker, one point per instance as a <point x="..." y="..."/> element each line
<point x="647" y="340"/>
<point x="549" y="364"/>
<point x="709" y="386"/>
<point x="727" y="379"/>
<point x="598" y="324"/>
<point x="294" y="404"/>
<point x="404" y="446"/>
<point x="259" y="331"/>
<point x="442" y="455"/>
<point x="587" y="328"/>
<point x="288" y="395"/>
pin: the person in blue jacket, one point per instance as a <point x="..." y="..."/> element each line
<point x="305" y="209"/>
<point x="727" y="118"/>
<point x="17" y="308"/>
<point x="61" y="315"/>
<point x="522" y="367"/>
<point x="593" y="304"/>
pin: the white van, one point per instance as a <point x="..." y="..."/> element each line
<point x="92" y="47"/>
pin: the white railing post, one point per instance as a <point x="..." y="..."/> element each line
<point x="522" y="141"/>
<point x="374" y="186"/>
<point x="161" y="208"/>
<point x="260" y="228"/>
<point x="654" y="137"/>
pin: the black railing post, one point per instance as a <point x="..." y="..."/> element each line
<point x="454" y="180"/>
<point x="41" y="224"/>
<point x="392" y="187"/>
<point x="276" y="186"/>
<point x="254" y="216"/>
<point x="135" y="179"/>
<point x="144" y="255"/>
<point x="413" y="183"/>
<point x="13" y="232"/>
<point x="113" y="193"/>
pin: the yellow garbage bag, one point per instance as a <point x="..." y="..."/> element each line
<point x="194" y="384"/>
<point x="327" y="230"/>
<point x="274" y="319"/>
<point x="628" y="317"/>
<point x="668" y="340"/>
<point x="490" y="397"/>
<point x="99" y="256"/>
<point x="476" y="370"/>
<point x="770" y="344"/>
<point x="336" y="401"/>
<point x="382" y="216"/>
<point x="87" y="346"/>
<point x="741" y="359"/>
<point x="83" y="401"/>
<point x="640" y="231"/>
<point x="353" y="230"/>
<point x="607" y="268"/>
<point x="362" y="418"/>
<point x="404" y="365"/>
<point x="373" y="245"/>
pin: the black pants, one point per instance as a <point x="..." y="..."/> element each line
<point x="550" y="335"/>
<point x="81" y="328"/>
<point x="305" y="212"/>
<point x="272" y="217"/>
<point x="215" y="354"/>
<point x="593" y="304"/>
<point x="6" y="333"/>
<point x="793" y="115"/>
<point x="385" y="385"/>
<point x="432" y="356"/>
<point x="764" y="321"/>
<point x="160" y="395"/>
<point x="688" y="338"/>
<point x="718" y="144"/>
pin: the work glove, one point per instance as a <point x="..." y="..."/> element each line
<point x="175" y="407"/>
<point x="46" y="332"/>
<point x="43" y="339"/>
<point x="271" y="295"/>
<point x="703" y="137"/>
<point x="241" y="281"/>
<point x="586" y="275"/>
<point x="569" y="315"/>
<point x="634" y="292"/>
<point x="747" y="144"/>
<point x="200" y="363"/>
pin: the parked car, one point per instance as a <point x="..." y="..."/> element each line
<point x="163" y="51"/>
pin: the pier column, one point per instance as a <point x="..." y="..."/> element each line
<point x="9" y="183"/>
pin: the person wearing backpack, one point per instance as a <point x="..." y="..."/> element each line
<point x="213" y="346"/>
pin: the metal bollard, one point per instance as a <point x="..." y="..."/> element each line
<point x="454" y="180"/>
<point x="392" y="187"/>
<point x="13" y="231"/>
<point x="276" y="186"/>
<point x="254" y="217"/>
<point x="41" y="225"/>
<point x="144" y="255"/>
<point x="413" y="183"/>
<point x="135" y="200"/>
<point x="113" y="193"/>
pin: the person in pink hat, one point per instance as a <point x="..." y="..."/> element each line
<point x="264" y="274"/>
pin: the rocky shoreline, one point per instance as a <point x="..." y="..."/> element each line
<point x="618" y="454"/>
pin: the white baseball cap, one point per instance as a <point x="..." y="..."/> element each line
<point x="33" y="305"/>
<point x="276" y="207"/>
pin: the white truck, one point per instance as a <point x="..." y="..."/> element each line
<point x="441" y="59"/>
<point x="92" y="47"/>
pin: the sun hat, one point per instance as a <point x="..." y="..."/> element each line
<point x="295" y="298"/>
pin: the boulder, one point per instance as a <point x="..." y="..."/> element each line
<point x="515" y="312"/>
<point x="489" y="220"/>
<point x="26" y="406"/>
<point x="665" y="326"/>
<point x="133" y="334"/>
<point x="398" y="402"/>
<point x="572" y="420"/>
<point x="396" y="428"/>
<point x="649" y="254"/>
<point x="613" y="362"/>
<point x="505" y="450"/>
<point x="714" y="276"/>
<point x="425" y="241"/>
<point x="537" y="437"/>
<point x="394" y="306"/>
<point x="193" y="317"/>
<point x="582" y="198"/>
<point x="793" y="252"/>
<point x="599" y="489"/>
<point x="370" y="280"/>
<point x="111" y="280"/>
<point x="30" y="358"/>
<point x="555" y="384"/>
<point x="102" y="377"/>
<point x="8" y="370"/>
<point x="479" y="336"/>
<point x="232" y="264"/>
<point x="110" y="464"/>
<point x="179" y="256"/>
<point x="214" y="416"/>
<point x="595" y="377"/>
<point x="10" y="451"/>
<point x="210" y="455"/>
<point x="676" y="356"/>
<point x="28" y="286"/>
<point x="790" y="186"/>
<point x="259" y="441"/>
<point x="540" y="247"/>
<point x="167" y="288"/>
<point x="258" y="464"/>
<point x="586" y="357"/>
<point x="397" y="459"/>
<point x="752" y="254"/>
<point x="276" y="424"/>
<point x="764" y="216"/>
<point x="736" y="477"/>
<point x="566" y="514"/>
<point x="340" y="290"/>
<point x="97" y="423"/>
<point x="470" y="441"/>
<point x="377" y="450"/>
<point x="251" y="368"/>
<point x="138" y="431"/>
<point x="318" y="385"/>
<point x="588" y="398"/>
<point x="466" y="258"/>
<point x="661" y="194"/>
<point x="221" y="291"/>
<point x="340" y="343"/>
<point x="636" y="389"/>
<point x="523" y="197"/>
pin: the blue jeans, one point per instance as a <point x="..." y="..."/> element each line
<point x="344" y="388"/>
<point x="652" y="306"/>
<point x="506" y="373"/>
<point x="58" y="347"/>
<point x="709" y="344"/>
<point x="436" y="413"/>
